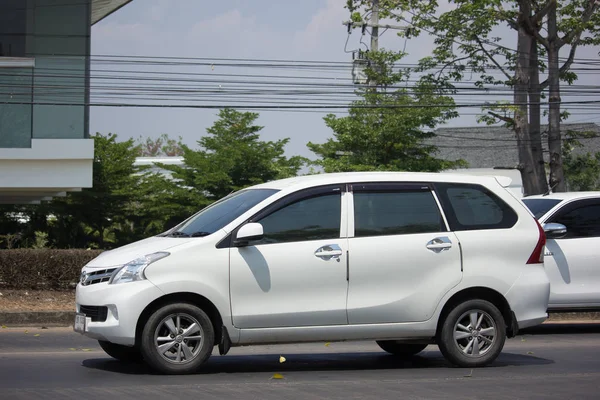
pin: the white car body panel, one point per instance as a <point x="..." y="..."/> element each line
<point x="285" y="284"/>
<point x="397" y="279"/>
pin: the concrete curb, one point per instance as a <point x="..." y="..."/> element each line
<point x="573" y="316"/>
<point x="66" y="318"/>
<point x="33" y="318"/>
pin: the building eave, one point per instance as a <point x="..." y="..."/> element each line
<point x="103" y="8"/>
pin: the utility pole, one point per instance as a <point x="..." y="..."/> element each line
<point x="359" y="64"/>
<point x="375" y="25"/>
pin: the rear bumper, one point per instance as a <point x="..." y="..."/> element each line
<point x="528" y="297"/>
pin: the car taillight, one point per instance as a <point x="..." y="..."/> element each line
<point x="537" y="257"/>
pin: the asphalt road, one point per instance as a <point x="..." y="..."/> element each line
<point x="554" y="362"/>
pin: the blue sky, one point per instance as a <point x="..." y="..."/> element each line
<point x="259" y="29"/>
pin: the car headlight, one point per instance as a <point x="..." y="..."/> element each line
<point x="134" y="270"/>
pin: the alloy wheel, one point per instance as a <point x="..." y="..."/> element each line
<point x="179" y="338"/>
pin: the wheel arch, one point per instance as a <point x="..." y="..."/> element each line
<point x="481" y="293"/>
<point x="182" y="297"/>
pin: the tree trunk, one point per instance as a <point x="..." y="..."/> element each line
<point x="535" y="131"/>
<point x="557" y="181"/>
<point x="521" y="89"/>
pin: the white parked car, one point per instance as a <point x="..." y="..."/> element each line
<point x="572" y="259"/>
<point x="406" y="259"/>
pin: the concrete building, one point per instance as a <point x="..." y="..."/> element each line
<point x="45" y="149"/>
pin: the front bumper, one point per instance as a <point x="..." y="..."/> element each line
<point x="528" y="297"/>
<point x="125" y="303"/>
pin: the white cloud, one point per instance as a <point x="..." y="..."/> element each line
<point x="322" y="27"/>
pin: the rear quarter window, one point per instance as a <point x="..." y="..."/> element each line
<point x="474" y="207"/>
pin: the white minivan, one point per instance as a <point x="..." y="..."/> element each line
<point x="405" y="259"/>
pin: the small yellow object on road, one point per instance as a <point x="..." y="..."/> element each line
<point x="277" y="376"/>
<point x="281" y="359"/>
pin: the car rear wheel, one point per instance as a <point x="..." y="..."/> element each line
<point x="401" y="349"/>
<point x="472" y="334"/>
<point x="177" y="339"/>
<point x="120" y="352"/>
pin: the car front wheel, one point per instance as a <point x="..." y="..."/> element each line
<point x="177" y="339"/>
<point x="472" y="334"/>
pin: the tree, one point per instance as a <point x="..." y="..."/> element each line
<point x="96" y="215"/>
<point x="161" y="146"/>
<point x="231" y="157"/>
<point x="582" y="171"/>
<point x="385" y="132"/>
<point x="388" y="129"/>
<point x="465" y="42"/>
<point x="566" y="25"/>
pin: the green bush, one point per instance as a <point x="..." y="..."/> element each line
<point x="42" y="269"/>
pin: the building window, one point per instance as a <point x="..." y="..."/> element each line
<point x="13" y="28"/>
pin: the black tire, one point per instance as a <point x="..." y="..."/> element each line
<point x="199" y="341"/>
<point x="122" y="353"/>
<point x="478" y="347"/>
<point x="400" y="349"/>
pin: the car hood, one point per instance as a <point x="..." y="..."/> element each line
<point x="125" y="254"/>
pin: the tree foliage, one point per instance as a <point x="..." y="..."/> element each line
<point x="390" y="128"/>
<point x="231" y="157"/>
<point x="582" y="171"/>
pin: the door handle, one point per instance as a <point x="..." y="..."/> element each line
<point x="328" y="252"/>
<point x="439" y="244"/>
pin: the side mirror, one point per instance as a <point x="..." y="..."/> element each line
<point x="555" y="231"/>
<point x="248" y="232"/>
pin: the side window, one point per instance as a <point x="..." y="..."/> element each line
<point x="312" y="218"/>
<point x="582" y="221"/>
<point x="472" y="207"/>
<point x="395" y="213"/>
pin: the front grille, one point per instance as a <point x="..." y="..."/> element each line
<point x="96" y="313"/>
<point x="93" y="277"/>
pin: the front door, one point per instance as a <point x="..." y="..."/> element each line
<point x="403" y="259"/>
<point x="296" y="274"/>
<point x="572" y="263"/>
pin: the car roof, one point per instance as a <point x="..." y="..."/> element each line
<point x="565" y="196"/>
<point x="299" y="182"/>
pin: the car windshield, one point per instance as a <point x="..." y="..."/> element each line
<point x="220" y="213"/>
<point x="540" y="207"/>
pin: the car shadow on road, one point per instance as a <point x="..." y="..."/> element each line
<point x="315" y="362"/>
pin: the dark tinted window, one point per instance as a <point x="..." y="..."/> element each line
<point x="540" y="207"/>
<point x="581" y="222"/>
<point x="13" y="27"/>
<point x="470" y="207"/>
<point x="219" y="214"/>
<point x="307" y="219"/>
<point x="394" y="213"/>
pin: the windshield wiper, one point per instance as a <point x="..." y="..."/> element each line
<point x="178" y="234"/>
<point x="200" y="234"/>
<point x="183" y="234"/>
